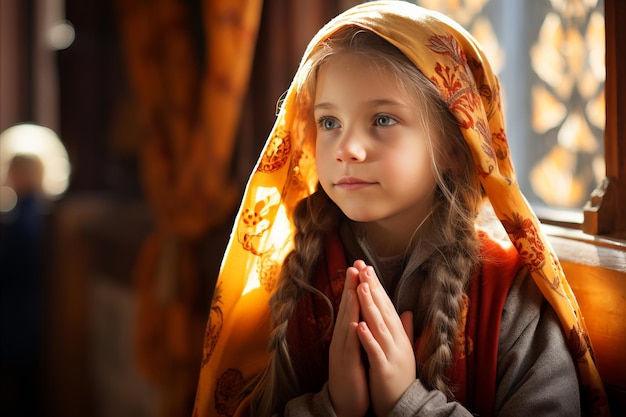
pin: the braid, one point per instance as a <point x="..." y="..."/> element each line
<point x="448" y="272"/>
<point x="446" y="275"/>
<point x="313" y="217"/>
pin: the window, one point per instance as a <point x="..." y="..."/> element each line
<point x="550" y="57"/>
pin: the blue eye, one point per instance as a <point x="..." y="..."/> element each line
<point x="327" y="123"/>
<point x="385" y="120"/>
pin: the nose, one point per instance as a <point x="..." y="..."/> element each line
<point x="350" y="148"/>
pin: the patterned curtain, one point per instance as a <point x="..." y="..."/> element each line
<point x="189" y="92"/>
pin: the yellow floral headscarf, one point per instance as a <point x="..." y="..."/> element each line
<point x="235" y="346"/>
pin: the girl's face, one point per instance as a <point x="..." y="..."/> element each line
<point x="372" y="152"/>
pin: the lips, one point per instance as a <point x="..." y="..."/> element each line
<point x="352" y="183"/>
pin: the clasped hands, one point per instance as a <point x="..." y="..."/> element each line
<point x="368" y="319"/>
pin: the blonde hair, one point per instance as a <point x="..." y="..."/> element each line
<point x="444" y="274"/>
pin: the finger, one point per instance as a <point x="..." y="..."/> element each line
<point x="359" y="264"/>
<point x="368" y="274"/>
<point x="375" y="353"/>
<point x="352" y="278"/>
<point x="348" y="311"/>
<point x="351" y="309"/>
<point x="381" y="299"/>
<point x="350" y="284"/>
<point x="373" y="316"/>
<point x="347" y="380"/>
<point x="344" y="340"/>
<point x="353" y="347"/>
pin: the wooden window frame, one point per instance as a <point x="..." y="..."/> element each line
<point x="605" y="211"/>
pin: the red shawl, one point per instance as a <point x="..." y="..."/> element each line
<point x="309" y="332"/>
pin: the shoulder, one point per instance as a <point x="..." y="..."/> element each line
<point x="499" y="264"/>
<point x="535" y="370"/>
<point x="498" y="254"/>
<point x="502" y="268"/>
<point x="523" y="308"/>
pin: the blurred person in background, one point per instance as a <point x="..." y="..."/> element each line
<point x="21" y="235"/>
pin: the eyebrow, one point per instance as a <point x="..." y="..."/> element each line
<point x="375" y="103"/>
<point x="323" y="106"/>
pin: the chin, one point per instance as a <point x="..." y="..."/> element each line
<point x="360" y="217"/>
<point x="356" y="212"/>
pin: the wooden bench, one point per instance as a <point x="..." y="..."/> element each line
<point x="596" y="271"/>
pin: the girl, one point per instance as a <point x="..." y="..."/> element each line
<point x="356" y="281"/>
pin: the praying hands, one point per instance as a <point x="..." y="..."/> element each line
<point x="367" y="319"/>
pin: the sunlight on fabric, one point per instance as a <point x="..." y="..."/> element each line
<point x="253" y="282"/>
<point x="272" y="248"/>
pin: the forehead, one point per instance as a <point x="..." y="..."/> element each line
<point x="348" y="76"/>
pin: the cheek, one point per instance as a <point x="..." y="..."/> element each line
<point x="323" y="174"/>
<point x="321" y="161"/>
<point x="323" y="153"/>
<point x="411" y="166"/>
